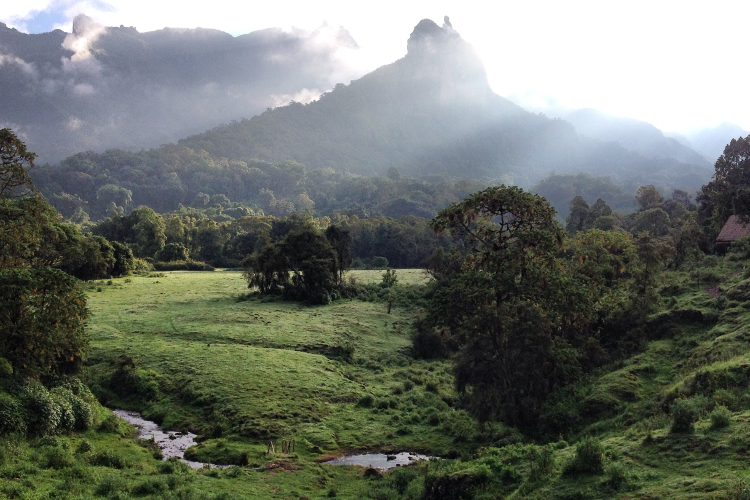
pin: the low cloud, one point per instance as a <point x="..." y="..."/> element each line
<point x="101" y="87"/>
<point x="304" y="96"/>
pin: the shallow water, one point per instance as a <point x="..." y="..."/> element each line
<point x="172" y="444"/>
<point x="379" y="460"/>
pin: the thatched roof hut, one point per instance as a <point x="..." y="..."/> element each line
<point x="732" y="231"/>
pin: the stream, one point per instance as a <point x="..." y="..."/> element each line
<point x="172" y="444"/>
<point x="379" y="460"/>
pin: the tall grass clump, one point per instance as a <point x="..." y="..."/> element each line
<point x="720" y="417"/>
<point x="589" y="458"/>
<point x="684" y="415"/>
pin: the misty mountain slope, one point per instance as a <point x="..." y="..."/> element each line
<point x="711" y="141"/>
<point x="635" y="135"/>
<point x="103" y="87"/>
<point x="430" y="112"/>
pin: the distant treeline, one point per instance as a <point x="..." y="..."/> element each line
<point x="189" y="234"/>
<point x="94" y="186"/>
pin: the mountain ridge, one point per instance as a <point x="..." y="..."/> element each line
<point x="430" y="112"/>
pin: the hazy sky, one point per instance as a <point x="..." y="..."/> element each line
<point x="680" y="65"/>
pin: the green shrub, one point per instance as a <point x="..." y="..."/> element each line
<point x="384" y="404"/>
<point x="366" y="401"/>
<point x="389" y="278"/>
<point x="720" y="417"/>
<point x="542" y="461"/>
<point x="111" y="485"/>
<point x="617" y="476"/>
<point x="455" y="480"/>
<point x="725" y="397"/>
<point x="183" y="265"/>
<point x="58" y="458"/>
<point x="62" y="398"/>
<point x="108" y="458"/>
<point x="720" y="303"/>
<point x="84" y="446"/>
<point x="150" y="486"/>
<point x="84" y="414"/>
<point x="589" y="458"/>
<point x="684" y="415"/>
<point x="12" y="418"/>
<point x="739" y="249"/>
<point x="110" y="424"/>
<point x="142" y="266"/>
<point x="42" y="410"/>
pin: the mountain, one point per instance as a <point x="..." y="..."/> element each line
<point x="103" y="87"/>
<point x="634" y="135"/>
<point x="711" y="141"/>
<point x="433" y="112"/>
<point x="427" y="119"/>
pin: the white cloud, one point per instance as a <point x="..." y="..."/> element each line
<point x="304" y="96"/>
<point x="74" y="123"/>
<point x="26" y="67"/>
<point x="669" y="62"/>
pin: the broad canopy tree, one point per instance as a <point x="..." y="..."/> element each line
<point x="523" y="308"/>
<point x="506" y="306"/>
<point x="43" y="309"/>
<point x="303" y="262"/>
<point x="15" y="162"/>
<point x="728" y="193"/>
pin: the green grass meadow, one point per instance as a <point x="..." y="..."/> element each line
<point x="192" y="351"/>
<point x="195" y="352"/>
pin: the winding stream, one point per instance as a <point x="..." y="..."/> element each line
<point x="172" y="444"/>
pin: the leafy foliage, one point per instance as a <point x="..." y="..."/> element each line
<point x="15" y="161"/>
<point x="505" y="307"/>
<point x="728" y="192"/>
<point x="42" y="321"/>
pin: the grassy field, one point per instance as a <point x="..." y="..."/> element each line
<point x="332" y="377"/>
<point x="192" y="351"/>
<point x="195" y="352"/>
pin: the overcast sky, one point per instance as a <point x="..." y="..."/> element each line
<point x="680" y="65"/>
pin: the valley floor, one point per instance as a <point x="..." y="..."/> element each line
<point x="194" y="352"/>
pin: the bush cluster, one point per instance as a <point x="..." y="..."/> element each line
<point x="684" y="415"/>
<point x="30" y="408"/>
<point x="589" y="458"/>
<point x="183" y="265"/>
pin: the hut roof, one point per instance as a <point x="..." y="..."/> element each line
<point x="732" y="230"/>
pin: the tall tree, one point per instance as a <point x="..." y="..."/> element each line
<point x="510" y="308"/>
<point x="15" y="162"/>
<point x="728" y="193"/>
<point x="43" y="309"/>
<point x="340" y="240"/>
